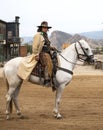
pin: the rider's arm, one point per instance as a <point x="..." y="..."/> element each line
<point x="37" y="45"/>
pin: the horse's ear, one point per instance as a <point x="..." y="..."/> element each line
<point x="82" y="41"/>
<point x="79" y="42"/>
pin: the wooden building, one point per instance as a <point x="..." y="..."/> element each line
<point x="23" y="50"/>
<point x="9" y="39"/>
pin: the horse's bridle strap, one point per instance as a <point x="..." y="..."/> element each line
<point x="78" y="55"/>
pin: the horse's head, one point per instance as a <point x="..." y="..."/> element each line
<point x="84" y="51"/>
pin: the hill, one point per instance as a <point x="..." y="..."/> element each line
<point x="93" y="43"/>
<point x="93" y="34"/>
<point x="57" y="38"/>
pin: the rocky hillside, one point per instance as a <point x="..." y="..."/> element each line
<point x="93" y="43"/>
<point x="57" y="38"/>
<point x="93" y="35"/>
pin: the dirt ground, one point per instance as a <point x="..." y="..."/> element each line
<point x="81" y="106"/>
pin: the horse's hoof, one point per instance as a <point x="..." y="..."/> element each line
<point x="19" y="113"/>
<point x="55" y="115"/>
<point x="7" y="117"/>
<point x="59" y="116"/>
<point x="21" y="117"/>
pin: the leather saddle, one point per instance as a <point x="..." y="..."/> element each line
<point x="38" y="70"/>
<point x="40" y="67"/>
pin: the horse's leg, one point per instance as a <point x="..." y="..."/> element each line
<point x="9" y="101"/>
<point x="15" y="100"/>
<point x="59" y="92"/>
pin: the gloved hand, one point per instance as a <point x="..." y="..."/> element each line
<point x="37" y="57"/>
<point x="55" y="49"/>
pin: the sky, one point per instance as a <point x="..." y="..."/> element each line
<point x="71" y="16"/>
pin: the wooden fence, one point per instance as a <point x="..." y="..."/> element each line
<point x="98" y="64"/>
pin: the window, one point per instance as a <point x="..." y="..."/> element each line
<point x="10" y="34"/>
<point x="1" y="37"/>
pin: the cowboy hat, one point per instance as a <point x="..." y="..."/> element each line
<point x="44" y="24"/>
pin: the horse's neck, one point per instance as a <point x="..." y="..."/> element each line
<point x="70" y="54"/>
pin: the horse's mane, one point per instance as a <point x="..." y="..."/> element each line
<point x="65" y="50"/>
<point x="81" y="41"/>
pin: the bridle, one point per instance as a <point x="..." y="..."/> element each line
<point x="80" y="56"/>
<point x="83" y="57"/>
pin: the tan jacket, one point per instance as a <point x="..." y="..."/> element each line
<point x="26" y="66"/>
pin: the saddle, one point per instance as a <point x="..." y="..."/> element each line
<point x="40" y="66"/>
<point x="39" y="69"/>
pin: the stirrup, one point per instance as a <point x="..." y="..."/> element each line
<point x="47" y="82"/>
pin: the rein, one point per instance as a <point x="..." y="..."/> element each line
<point x="78" y="55"/>
<point x="69" y="61"/>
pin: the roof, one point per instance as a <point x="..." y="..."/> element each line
<point x="1" y="21"/>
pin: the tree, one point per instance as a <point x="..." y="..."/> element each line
<point x="29" y="47"/>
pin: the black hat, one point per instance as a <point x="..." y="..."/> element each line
<point x="44" y="24"/>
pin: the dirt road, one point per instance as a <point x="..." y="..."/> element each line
<point x="81" y="106"/>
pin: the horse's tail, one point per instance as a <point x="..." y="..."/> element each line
<point x="7" y="86"/>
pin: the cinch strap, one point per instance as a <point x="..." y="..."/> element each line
<point x="66" y="70"/>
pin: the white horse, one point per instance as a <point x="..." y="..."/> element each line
<point x="68" y="59"/>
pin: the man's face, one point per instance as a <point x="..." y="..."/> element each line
<point x="44" y="29"/>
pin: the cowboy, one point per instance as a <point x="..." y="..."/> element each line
<point x="41" y="47"/>
<point x="46" y="52"/>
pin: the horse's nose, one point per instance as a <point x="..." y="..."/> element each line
<point x="92" y="60"/>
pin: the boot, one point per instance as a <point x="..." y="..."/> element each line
<point x="46" y="77"/>
<point x="47" y="82"/>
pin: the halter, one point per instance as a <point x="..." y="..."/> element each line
<point x="81" y="56"/>
<point x="85" y="56"/>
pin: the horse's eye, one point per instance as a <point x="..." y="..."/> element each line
<point x="86" y="49"/>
